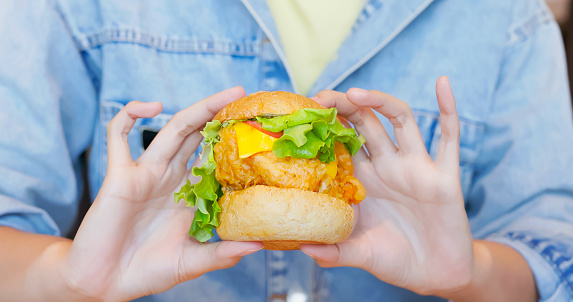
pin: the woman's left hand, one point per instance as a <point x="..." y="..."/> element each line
<point x="412" y="230"/>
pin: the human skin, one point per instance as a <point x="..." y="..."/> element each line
<point x="134" y="239"/>
<point x="412" y="230"/>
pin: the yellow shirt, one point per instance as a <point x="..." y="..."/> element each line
<point x="311" y="32"/>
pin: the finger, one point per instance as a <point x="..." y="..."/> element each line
<point x="187" y="149"/>
<point x="361" y="154"/>
<point x="203" y="258"/>
<point x="118" y="129"/>
<point x="365" y="121"/>
<point x="338" y="254"/>
<point x="398" y="113"/>
<point x="169" y="140"/>
<point x="449" y="147"/>
<point x="328" y="98"/>
<point x="344" y="121"/>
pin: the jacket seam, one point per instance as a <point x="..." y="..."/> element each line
<point x="380" y="46"/>
<point x="275" y="42"/>
<point x="527" y="28"/>
<point x="516" y="35"/>
<point x="436" y="115"/>
<point x="165" y="44"/>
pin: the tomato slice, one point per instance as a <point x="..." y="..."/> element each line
<point x="259" y="127"/>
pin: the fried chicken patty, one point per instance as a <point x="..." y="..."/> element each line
<point x="264" y="168"/>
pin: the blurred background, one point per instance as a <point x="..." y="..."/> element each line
<point x="563" y="11"/>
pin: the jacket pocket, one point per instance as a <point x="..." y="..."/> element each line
<point x="470" y="134"/>
<point x="140" y="136"/>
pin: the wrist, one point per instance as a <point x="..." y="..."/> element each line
<point x="482" y="262"/>
<point x="500" y="273"/>
<point x="52" y="272"/>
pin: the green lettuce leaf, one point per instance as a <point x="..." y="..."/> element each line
<point x="338" y="133"/>
<point x="211" y="132"/>
<point x="286" y="147"/>
<point x="303" y="116"/>
<point x="296" y="134"/>
<point x="309" y="133"/>
<point x="205" y="193"/>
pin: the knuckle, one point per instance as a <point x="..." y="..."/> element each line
<point x="183" y="273"/>
<point x="363" y="113"/>
<point x="402" y="115"/>
<point x="181" y="270"/>
<point x="403" y="108"/>
<point x="330" y="98"/>
<point x="109" y="126"/>
<point x="180" y="126"/>
<point x="114" y="121"/>
<point x="369" y="263"/>
<point x="113" y="125"/>
<point x="185" y="130"/>
<point x="327" y="93"/>
<point x="450" y="132"/>
<point x="221" y="259"/>
<point x="397" y="121"/>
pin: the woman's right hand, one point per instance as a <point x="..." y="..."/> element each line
<point x="134" y="240"/>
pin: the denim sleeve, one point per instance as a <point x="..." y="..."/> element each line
<point x="47" y="112"/>
<point x="524" y="180"/>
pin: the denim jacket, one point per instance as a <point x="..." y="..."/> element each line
<point x="68" y="66"/>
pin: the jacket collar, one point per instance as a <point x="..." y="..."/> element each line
<point x="262" y="14"/>
<point x="389" y="18"/>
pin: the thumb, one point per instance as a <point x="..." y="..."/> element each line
<point x="199" y="259"/>
<point x="338" y="254"/>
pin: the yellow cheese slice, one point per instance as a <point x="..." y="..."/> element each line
<point x="251" y="141"/>
<point x="331" y="169"/>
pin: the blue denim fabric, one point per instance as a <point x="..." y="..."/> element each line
<point x="67" y="67"/>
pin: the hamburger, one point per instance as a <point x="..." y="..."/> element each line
<point x="275" y="167"/>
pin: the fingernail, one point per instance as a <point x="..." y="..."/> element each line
<point x="314" y="98"/>
<point x="248" y="252"/>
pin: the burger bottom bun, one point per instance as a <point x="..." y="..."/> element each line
<point x="282" y="218"/>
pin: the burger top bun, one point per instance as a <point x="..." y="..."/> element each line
<point x="265" y="104"/>
<point x="283" y="219"/>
